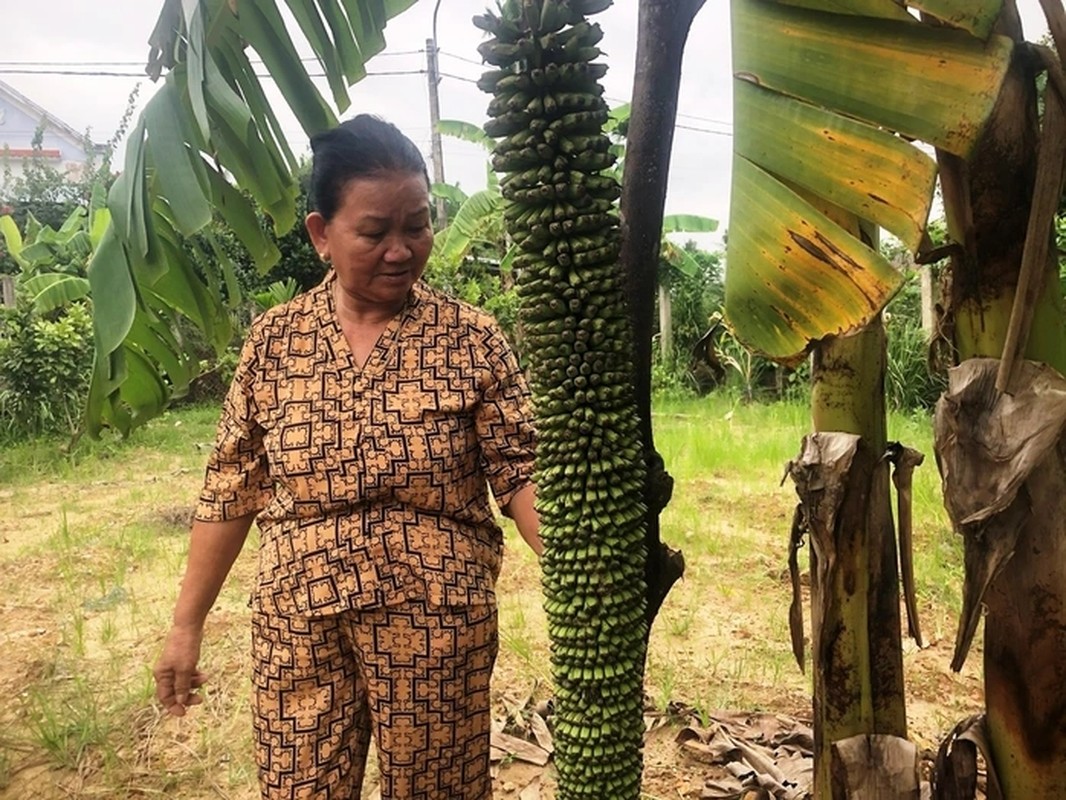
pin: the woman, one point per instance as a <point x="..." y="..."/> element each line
<point x="365" y="421"/>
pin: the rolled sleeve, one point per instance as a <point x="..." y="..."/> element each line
<point x="504" y="423"/>
<point x="237" y="480"/>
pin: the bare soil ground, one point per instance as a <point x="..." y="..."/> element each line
<point x="89" y="567"/>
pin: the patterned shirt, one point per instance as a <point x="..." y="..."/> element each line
<point x="371" y="483"/>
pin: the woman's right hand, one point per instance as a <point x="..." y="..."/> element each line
<point x="176" y="675"/>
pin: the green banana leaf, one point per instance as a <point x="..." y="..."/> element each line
<point x="12" y="238"/>
<point x="677" y="257"/>
<point x="828" y="96"/>
<point x="449" y="192"/>
<point x="480" y="218"/>
<point x="51" y="290"/>
<point x="466" y="131"/>
<point x="688" y="223"/>
<point x="208" y="130"/>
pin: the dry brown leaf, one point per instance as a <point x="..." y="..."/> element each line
<point x="520" y="749"/>
<point x="541" y="732"/>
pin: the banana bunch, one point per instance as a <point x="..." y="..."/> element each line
<point x="547" y="112"/>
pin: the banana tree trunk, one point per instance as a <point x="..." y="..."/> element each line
<point x="1001" y="450"/>
<point x="856" y="641"/>
<point x="663" y="27"/>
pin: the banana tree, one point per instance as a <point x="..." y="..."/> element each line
<point x="828" y="95"/>
<point x="53" y="263"/>
<point x="1005" y="398"/>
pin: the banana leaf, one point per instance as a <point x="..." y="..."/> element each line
<point x="829" y="96"/>
<point x="466" y="131"/>
<point x="51" y="290"/>
<point x="476" y="218"/>
<point x="206" y="142"/>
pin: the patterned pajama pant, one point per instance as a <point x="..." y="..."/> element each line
<point x="415" y="676"/>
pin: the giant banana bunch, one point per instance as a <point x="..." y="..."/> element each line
<point x="547" y="112"/>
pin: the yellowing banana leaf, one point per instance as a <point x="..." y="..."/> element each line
<point x="875" y="175"/>
<point x="793" y="275"/>
<point x="828" y="95"/>
<point x="975" y="16"/>
<point x="204" y="144"/>
<point x="930" y="83"/>
<point x="885" y="9"/>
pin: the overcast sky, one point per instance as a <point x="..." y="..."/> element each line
<point x="76" y="36"/>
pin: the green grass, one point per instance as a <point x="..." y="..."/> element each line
<point x="57" y="458"/>
<point x="97" y="545"/>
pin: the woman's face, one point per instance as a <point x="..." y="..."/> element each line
<point x="379" y="239"/>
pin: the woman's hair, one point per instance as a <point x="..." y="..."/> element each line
<point x="360" y="147"/>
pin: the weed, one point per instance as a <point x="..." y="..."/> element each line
<point x="65" y="724"/>
<point x="662" y="674"/>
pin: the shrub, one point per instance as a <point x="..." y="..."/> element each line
<point x="909" y="384"/>
<point x="670" y="378"/>
<point x="45" y="367"/>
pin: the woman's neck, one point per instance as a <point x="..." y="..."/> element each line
<point x="353" y="311"/>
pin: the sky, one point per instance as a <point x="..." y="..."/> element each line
<point x="75" y="36"/>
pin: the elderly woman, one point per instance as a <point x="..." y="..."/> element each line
<point x="366" y="422"/>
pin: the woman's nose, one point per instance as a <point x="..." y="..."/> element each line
<point x="398" y="249"/>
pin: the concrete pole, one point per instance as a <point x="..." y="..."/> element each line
<point x="433" y="75"/>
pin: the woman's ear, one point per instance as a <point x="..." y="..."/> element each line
<point x="316" y="230"/>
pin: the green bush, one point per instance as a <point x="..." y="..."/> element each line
<point x="45" y="366"/>
<point x="909" y="384"/>
<point x="670" y="378"/>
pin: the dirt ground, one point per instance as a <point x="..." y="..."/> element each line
<point x="89" y="569"/>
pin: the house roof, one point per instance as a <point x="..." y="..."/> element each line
<point x="28" y="152"/>
<point x="54" y="123"/>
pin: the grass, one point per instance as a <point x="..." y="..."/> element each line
<point x="93" y="547"/>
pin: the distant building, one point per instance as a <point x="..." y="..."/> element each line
<point x="62" y="147"/>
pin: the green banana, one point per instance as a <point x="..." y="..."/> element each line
<point x="548" y="112"/>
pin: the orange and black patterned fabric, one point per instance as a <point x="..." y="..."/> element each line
<point x="371" y="481"/>
<point x="417" y="675"/>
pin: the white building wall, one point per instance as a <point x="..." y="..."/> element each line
<point x="61" y="148"/>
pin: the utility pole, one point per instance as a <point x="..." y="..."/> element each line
<point x="434" y="118"/>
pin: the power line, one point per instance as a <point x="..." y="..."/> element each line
<point x="696" y="117"/>
<point x="57" y="64"/>
<point x="383" y="73"/>
<point x="457" y="77"/>
<point x="461" y="58"/>
<point x="679" y="126"/>
<point x="113" y="74"/>
<point x="93" y="74"/>
<point x="706" y="119"/>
